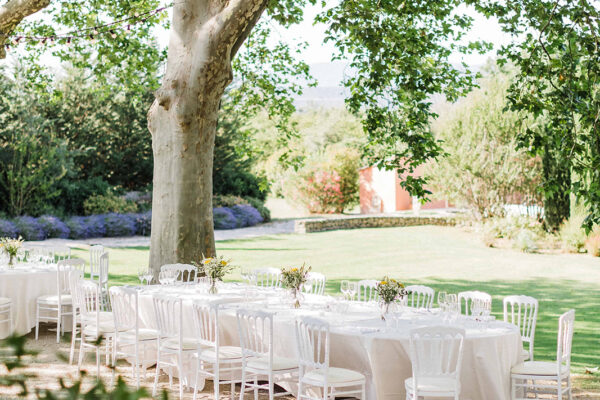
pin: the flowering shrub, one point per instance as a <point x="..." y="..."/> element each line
<point x="246" y="215"/>
<point x="143" y="222"/>
<point x="29" y="228"/>
<point x="223" y="218"/>
<point x="7" y="229"/>
<point x="109" y="203"/>
<point x="77" y="228"/>
<point x="54" y="227"/>
<point x="95" y="226"/>
<point x="119" y="225"/>
<point x="320" y="192"/>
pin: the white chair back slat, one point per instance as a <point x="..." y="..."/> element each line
<point x="169" y="312"/>
<point x="316" y="282"/>
<point x="89" y="305"/>
<point x="125" y="308"/>
<point x="256" y="333"/>
<point x="103" y="269"/>
<point x="467" y="298"/>
<point x="522" y="311"/>
<point x="312" y="342"/>
<point x="367" y="290"/>
<point x="74" y="264"/>
<point x="75" y="275"/>
<point x="420" y="296"/>
<point x="62" y="253"/>
<point x="184" y="272"/>
<point x="267" y="277"/>
<point x="565" y="339"/>
<point x="436" y="352"/>
<point x="96" y="252"/>
<point x="206" y="324"/>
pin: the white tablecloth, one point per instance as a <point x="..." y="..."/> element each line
<point x="361" y="341"/>
<point x="24" y="284"/>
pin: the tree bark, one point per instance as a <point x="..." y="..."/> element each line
<point x="182" y="120"/>
<point x="11" y="15"/>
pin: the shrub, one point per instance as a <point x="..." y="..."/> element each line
<point x="142" y="200"/>
<point x="54" y="227"/>
<point x="227" y="200"/>
<point x="75" y="191"/>
<point x="320" y="192"/>
<point x="246" y="215"/>
<point x="223" y="218"/>
<point x="572" y="235"/>
<point x="265" y="213"/>
<point x="526" y="241"/>
<point x="109" y="203"/>
<point x="29" y="228"/>
<point x="7" y="229"/>
<point x="95" y="226"/>
<point x="119" y="225"/>
<point x="143" y="222"/>
<point x="592" y="244"/>
<point x="77" y="228"/>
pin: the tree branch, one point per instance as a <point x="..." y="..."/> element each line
<point x="11" y="15"/>
<point x="238" y="20"/>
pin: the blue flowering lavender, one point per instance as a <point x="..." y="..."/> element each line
<point x="54" y="227"/>
<point x="223" y="218"/>
<point x="246" y="215"/>
<point x="96" y="226"/>
<point x="143" y="222"/>
<point x="8" y="229"/>
<point x="29" y="228"/>
<point x="119" y="225"/>
<point x="78" y="228"/>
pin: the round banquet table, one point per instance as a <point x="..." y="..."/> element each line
<point x="24" y="284"/>
<point x="360" y="340"/>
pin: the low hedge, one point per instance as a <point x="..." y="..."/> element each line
<point x="114" y="224"/>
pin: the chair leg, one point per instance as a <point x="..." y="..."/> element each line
<point x="271" y="387"/>
<point x="196" y="380"/>
<point x="98" y="361"/>
<point x="157" y="371"/>
<point x="300" y="389"/>
<point x="569" y="387"/>
<point x="73" y="338"/>
<point x="216" y="381"/>
<point x="58" y="326"/>
<point x="364" y="394"/>
<point x="232" y="388"/>
<point x="180" y="371"/>
<point x="243" y="386"/>
<point x="559" y="393"/>
<point x="37" y="320"/>
<point x="255" y="388"/>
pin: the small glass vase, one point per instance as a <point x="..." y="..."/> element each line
<point x="296" y="297"/>
<point x="11" y="261"/>
<point x="385" y="309"/>
<point x="213" y="287"/>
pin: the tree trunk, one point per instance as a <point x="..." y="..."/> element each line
<point x="204" y="38"/>
<point x="557" y="188"/>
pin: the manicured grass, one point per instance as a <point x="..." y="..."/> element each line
<point x="445" y="258"/>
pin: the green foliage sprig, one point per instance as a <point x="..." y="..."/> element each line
<point x="390" y="290"/>
<point x="215" y="267"/>
<point x="294" y="277"/>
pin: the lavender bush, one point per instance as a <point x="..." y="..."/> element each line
<point x="7" y="229"/>
<point x="54" y="227"/>
<point x="119" y="225"/>
<point x="143" y="221"/>
<point x="223" y="218"/>
<point x="246" y="215"/>
<point x="78" y="229"/>
<point x="29" y="228"/>
<point x="95" y="226"/>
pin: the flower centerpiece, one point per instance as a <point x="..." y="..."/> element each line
<point x="11" y="247"/>
<point x="389" y="290"/>
<point x="215" y="268"/>
<point x="293" y="278"/>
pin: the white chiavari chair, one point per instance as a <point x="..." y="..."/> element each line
<point x="186" y="273"/>
<point x="436" y="355"/>
<point x="39" y="254"/>
<point x="267" y="277"/>
<point x="316" y="282"/>
<point x="419" y="296"/>
<point x="313" y="343"/>
<point x="103" y="266"/>
<point x="129" y="337"/>
<point x="75" y="275"/>
<point x="367" y="290"/>
<point x="93" y="327"/>
<point x="522" y="311"/>
<point x="54" y="307"/>
<point x="258" y="358"/>
<point x="171" y="342"/>
<point x="6" y="317"/>
<point x="96" y="252"/>
<point x="467" y="298"/>
<point x="215" y="362"/>
<point x="61" y="253"/>
<point x="547" y="377"/>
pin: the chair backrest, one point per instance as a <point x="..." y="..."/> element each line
<point x="62" y="253"/>
<point x="420" y="296"/>
<point x="256" y="333"/>
<point x="89" y="302"/>
<point x="267" y="277"/>
<point x="317" y="281"/>
<point x="125" y="308"/>
<point x="103" y="269"/>
<point x="63" y="272"/>
<point x="312" y="343"/>
<point x="469" y="296"/>
<point x="96" y="252"/>
<point x="436" y="352"/>
<point x="206" y="323"/>
<point x="75" y="275"/>
<point x="185" y="272"/>
<point x="522" y="311"/>
<point x="367" y="290"/>
<point x="169" y="313"/>
<point x="566" y="323"/>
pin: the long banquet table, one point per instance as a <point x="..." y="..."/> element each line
<point x="360" y="340"/>
<point x="24" y="284"/>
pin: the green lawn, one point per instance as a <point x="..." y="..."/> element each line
<point x="445" y="258"/>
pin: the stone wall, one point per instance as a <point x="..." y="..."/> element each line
<point x="373" y="221"/>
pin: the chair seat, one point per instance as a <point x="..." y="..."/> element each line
<point x="104" y="316"/>
<point x="143" y="334"/>
<point x="225" y="353"/>
<point x="52" y="299"/>
<point x="431" y="385"/>
<point x="104" y="328"/>
<point x="539" y="368"/>
<point x="334" y="376"/>
<point x="5" y="301"/>
<point x="173" y="344"/>
<point x="279" y="363"/>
